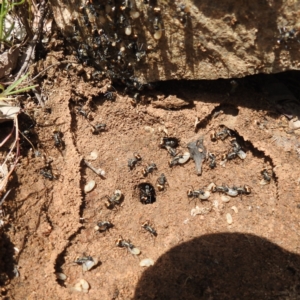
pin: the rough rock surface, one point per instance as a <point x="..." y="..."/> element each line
<point x="205" y="39"/>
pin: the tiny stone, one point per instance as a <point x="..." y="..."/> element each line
<point x="147" y="262"/>
<point x="225" y="198"/>
<point x="89" y="186"/>
<point x="149" y="129"/>
<point x="61" y="276"/>
<point x="235" y="209"/>
<point x="229" y="218"/>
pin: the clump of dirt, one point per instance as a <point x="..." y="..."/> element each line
<point x="52" y="221"/>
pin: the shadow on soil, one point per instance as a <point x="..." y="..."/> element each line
<point x="223" y="266"/>
<point x="277" y="93"/>
<point x="7" y="260"/>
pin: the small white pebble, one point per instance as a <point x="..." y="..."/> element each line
<point x="134" y="14"/>
<point x="235" y="209"/>
<point x="84" y="284"/>
<point x="263" y="182"/>
<point x="102" y="173"/>
<point x="93" y="155"/>
<point x="186" y="221"/>
<point x="229" y="218"/>
<point x="223" y="163"/>
<point x="149" y="129"/>
<point x="200" y="211"/>
<point x="216" y="204"/>
<point x="225" y="198"/>
<point x="294" y="124"/>
<point x="146" y="262"/>
<point x="89" y="186"/>
<point x="158" y="33"/>
<point x="77" y="287"/>
<point x="61" y="276"/>
<point x="128" y="30"/>
<point x="163" y="129"/>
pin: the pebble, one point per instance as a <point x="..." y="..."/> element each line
<point x="146" y="262"/>
<point x="89" y="186"/>
<point x="223" y="163"/>
<point x="93" y="155"/>
<point x="235" y="209"/>
<point x="200" y="211"/>
<point x="294" y="124"/>
<point x="81" y="286"/>
<point x="134" y="14"/>
<point x="229" y="218"/>
<point x="149" y="129"/>
<point x="61" y="276"/>
<point x="216" y="204"/>
<point x="225" y="198"/>
<point x="263" y="182"/>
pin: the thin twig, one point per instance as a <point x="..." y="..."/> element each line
<point x="61" y="62"/>
<point x="16" y="145"/>
<point x="5" y="140"/>
<point x="39" y="97"/>
<point x="31" y="47"/>
<point x="99" y="172"/>
<point x="24" y="136"/>
<point x="4" y="197"/>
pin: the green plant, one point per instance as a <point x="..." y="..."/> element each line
<point x="5" y="8"/>
<point x="11" y="90"/>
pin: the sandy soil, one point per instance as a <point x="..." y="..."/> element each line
<point x="195" y="257"/>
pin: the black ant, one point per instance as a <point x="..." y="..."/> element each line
<point x="146" y="193"/>
<point x="212" y="158"/>
<point x="149" y="169"/>
<point x="57" y="136"/>
<point x="133" y="161"/>
<point x="103" y="226"/>
<point x="149" y="228"/>
<point x="161" y="182"/>
<point x="114" y="200"/>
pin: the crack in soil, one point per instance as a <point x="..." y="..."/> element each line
<point x="233" y="110"/>
<point x="261" y="154"/>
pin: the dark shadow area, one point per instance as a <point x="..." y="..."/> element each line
<point x="275" y="93"/>
<point x="223" y="266"/>
<point x="7" y="259"/>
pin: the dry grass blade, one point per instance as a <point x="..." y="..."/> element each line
<point x="9" y="110"/>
